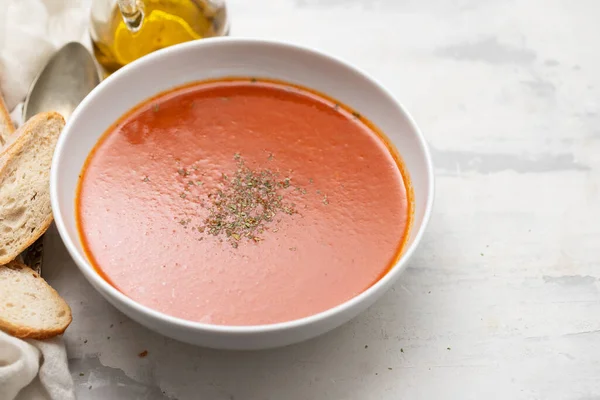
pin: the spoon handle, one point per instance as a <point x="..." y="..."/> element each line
<point x="33" y="256"/>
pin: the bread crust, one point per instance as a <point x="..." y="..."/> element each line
<point x="23" y="332"/>
<point x="6" y="156"/>
<point x="6" y="125"/>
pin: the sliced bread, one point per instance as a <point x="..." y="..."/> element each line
<point x="25" y="211"/>
<point x="6" y="125"/>
<point x="29" y="307"/>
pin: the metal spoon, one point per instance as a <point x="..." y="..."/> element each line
<point x="66" y="79"/>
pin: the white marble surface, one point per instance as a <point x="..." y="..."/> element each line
<point x="502" y="300"/>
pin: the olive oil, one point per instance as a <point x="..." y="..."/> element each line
<point x="162" y="23"/>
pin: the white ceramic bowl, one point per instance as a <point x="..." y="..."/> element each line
<point x="224" y="57"/>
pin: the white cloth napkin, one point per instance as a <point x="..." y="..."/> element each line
<point x="34" y="370"/>
<point x="30" y="32"/>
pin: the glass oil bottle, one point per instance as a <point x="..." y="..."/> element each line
<point x="125" y="30"/>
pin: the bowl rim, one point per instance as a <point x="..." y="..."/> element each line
<point x="107" y="289"/>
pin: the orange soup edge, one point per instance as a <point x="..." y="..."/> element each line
<point x="162" y="213"/>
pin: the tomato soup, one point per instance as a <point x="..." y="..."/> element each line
<point x="243" y="202"/>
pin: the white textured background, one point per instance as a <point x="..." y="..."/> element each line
<point x="502" y="299"/>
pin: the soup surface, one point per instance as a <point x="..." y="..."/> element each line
<point x="242" y="202"/>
